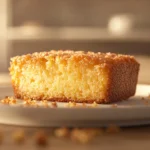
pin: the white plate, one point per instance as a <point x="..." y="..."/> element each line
<point x="131" y="112"/>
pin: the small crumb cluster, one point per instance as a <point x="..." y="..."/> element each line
<point x="83" y="105"/>
<point x="19" y="136"/>
<point x="85" y="135"/>
<point x="80" y="135"/>
<point x="114" y="105"/>
<point x="45" y="103"/>
<point x="41" y="137"/>
<point x="146" y="100"/>
<point x="9" y="100"/>
<point x="53" y="104"/>
<point x="113" y="129"/>
<point x="62" y="132"/>
<point x="94" y="104"/>
<point x="31" y="103"/>
<point x="71" y="104"/>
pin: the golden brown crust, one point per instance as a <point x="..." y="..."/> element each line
<point x="122" y="73"/>
<point x="122" y="81"/>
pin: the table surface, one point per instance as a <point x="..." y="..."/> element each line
<point x="129" y="138"/>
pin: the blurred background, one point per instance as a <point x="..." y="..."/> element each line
<point x="98" y="25"/>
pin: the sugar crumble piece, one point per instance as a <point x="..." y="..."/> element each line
<point x="113" y="129"/>
<point x="62" y="132"/>
<point x="71" y="104"/>
<point x="9" y="100"/>
<point x="19" y="136"/>
<point x="41" y="138"/>
<point x="13" y="101"/>
<point x="114" y="105"/>
<point x="45" y="103"/>
<point x="30" y="102"/>
<point x="84" y="135"/>
<point x="54" y="105"/>
<point x="94" y="104"/>
<point x="27" y="102"/>
<point x="34" y="103"/>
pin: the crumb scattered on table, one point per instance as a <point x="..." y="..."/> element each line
<point x="19" y="136"/>
<point x="41" y="138"/>
<point x="84" y="135"/>
<point x="113" y="129"/>
<point x="62" y="132"/>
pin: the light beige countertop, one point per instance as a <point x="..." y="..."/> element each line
<point x="135" y="138"/>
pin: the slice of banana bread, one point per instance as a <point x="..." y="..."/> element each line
<point x="74" y="76"/>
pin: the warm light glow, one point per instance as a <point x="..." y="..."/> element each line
<point x="30" y="29"/>
<point x="120" y="24"/>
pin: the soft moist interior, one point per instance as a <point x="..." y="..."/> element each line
<point x="56" y="78"/>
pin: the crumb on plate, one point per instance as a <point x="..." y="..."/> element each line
<point x="114" y="105"/>
<point x="94" y="104"/>
<point x="31" y="103"/>
<point x="45" y="103"/>
<point x="54" y="105"/>
<point x="71" y="104"/>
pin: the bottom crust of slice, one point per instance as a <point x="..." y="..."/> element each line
<point x="55" y="99"/>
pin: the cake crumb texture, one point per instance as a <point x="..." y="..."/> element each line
<point x="74" y="76"/>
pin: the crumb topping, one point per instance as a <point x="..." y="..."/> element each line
<point x="95" y="57"/>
